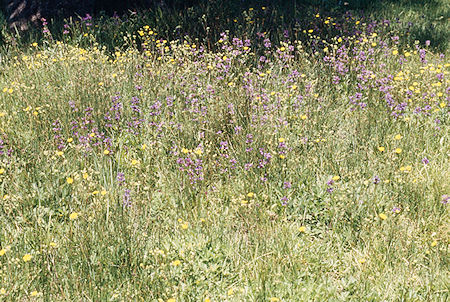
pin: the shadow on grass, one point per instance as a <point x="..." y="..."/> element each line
<point x="205" y="19"/>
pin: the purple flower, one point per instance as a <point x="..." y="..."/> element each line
<point x="376" y="180"/>
<point x="120" y="178"/>
<point x="445" y="198"/>
<point x="126" y="198"/>
<point x="425" y="161"/>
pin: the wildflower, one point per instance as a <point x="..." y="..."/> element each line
<point x="2" y="252"/>
<point x="434" y="243"/>
<point x="185" y="226"/>
<point x="2" y="171"/>
<point x="171" y="300"/>
<point x="106" y="152"/>
<point x="381" y="149"/>
<point x="85" y="175"/>
<point x="134" y="162"/>
<point x="27" y="257"/>
<point x="362" y="260"/>
<point x="396" y="210"/>
<point x="176" y="263"/>
<point x="398" y="137"/>
<point x="73" y="216"/>
<point x="425" y="161"/>
<point x="336" y="178"/>
<point x="59" y="153"/>
<point x="34" y="293"/>
<point x="250" y="195"/>
<point x="302" y="229"/>
<point x="382" y="216"/>
<point x="445" y="198"/>
<point x="398" y="150"/>
<point x="281" y="140"/>
<point x="230" y="292"/>
<point x="244" y="202"/>
<point x="103" y="192"/>
<point x="2" y="291"/>
<point x="69" y="180"/>
<point x="274" y="299"/>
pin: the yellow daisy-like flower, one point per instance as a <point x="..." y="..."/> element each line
<point x="434" y="243"/>
<point x="185" y="226"/>
<point x="34" y="293"/>
<point x="336" y="178"/>
<point x="382" y="216"/>
<point x="2" y="252"/>
<point x="398" y="137"/>
<point x="274" y="299"/>
<point x="398" y="150"/>
<point x="362" y="260"/>
<point x="171" y="300"/>
<point x="251" y="195"/>
<point x="2" y="291"/>
<point x="27" y="257"/>
<point x="69" y="140"/>
<point x="106" y="152"/>
<point x="381" y="149"/>
<point x="176" y="263"/>
<point x="281" y="140"/>
<point x="73" y="216"/>
<point x="2" y="171"/>
<point x="69" y="180"/>
<point x="302" y="229"/>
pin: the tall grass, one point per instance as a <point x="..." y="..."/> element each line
<point x="141" y="163"/>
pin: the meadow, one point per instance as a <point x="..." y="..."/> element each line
<point x="256" y="156"/>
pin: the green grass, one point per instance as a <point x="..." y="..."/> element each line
<point x="247" y="180"/>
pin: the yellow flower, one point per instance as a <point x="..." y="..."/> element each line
<point x="53" y="244"/>
<point x="106" y="152"/>
<point x="2" y="252"/>
<point x="302" y="229"/>
<point x="103" y="192"/>
<point x="303" y="117"/>
<point x="273" y="299"/>
<point x="27" y="257"/>
<point x="185" y="225"/>
<point x="175" y="262"/>
<point x="281" y="140"/>
<point x="2" y="114"/>
<point x="85" y="175"/>
<point x="434" y="243"/>
<point x="59" y="153"/>
<point x="143" y="146"/>
<point x="69" y="140"/>
<point x="207" y="300"/>
<point x="2" y="291"/>
<point x="398" y="150"/>
<point x="230" y="292"/>
<point x="395" y="52"/>
<point x="381" y="149"/>
<point x="171" y="300"/>
<point x="336" y="178"/>
<point x="2" y="171"/>
<point x="34" y="293"/>
<point x="69" y="180"/>
<point x="382" y="216"/>
<point x="73" y="216"/>
<point x="251" y="195"/>
<point x="398" y="137"/>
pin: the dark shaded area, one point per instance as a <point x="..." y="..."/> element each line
<point x="205" y="19"/>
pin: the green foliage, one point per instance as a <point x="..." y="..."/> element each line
<point x="141" y="163"/>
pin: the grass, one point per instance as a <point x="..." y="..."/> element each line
<point x="138" y="165"/>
